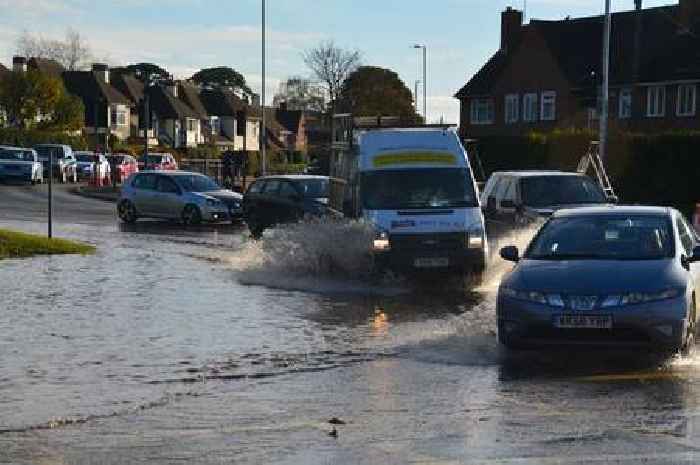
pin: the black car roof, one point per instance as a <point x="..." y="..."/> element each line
<point x="614" y="210"/>
<point x="536" y="173"/>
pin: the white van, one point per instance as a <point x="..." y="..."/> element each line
<point x="415" y="185"/>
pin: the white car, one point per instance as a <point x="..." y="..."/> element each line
<point x="86" y="164"/>
<point x="20" y="164"/>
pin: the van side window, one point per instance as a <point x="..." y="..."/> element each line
<point x="287" y="189"/>
<point x="489" y="195"/>
<point x="510" y="193"/>
<point x="256" y="187"/>
<point x="500" y="191"/>
<point x="272" y="186"/>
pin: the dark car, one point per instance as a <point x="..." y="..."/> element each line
<point x="284" y="199"/>
<point x="514" y="199"/>
<point x="611" y="276"/>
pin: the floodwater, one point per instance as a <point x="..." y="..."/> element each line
<point x="202" y="346"/>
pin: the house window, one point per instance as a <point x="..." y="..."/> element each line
<point x="215" y="124"/>
<point x="118" y="116"/>
<point x="548" y="110"/>
<point x="482" y="111"/>
<point x="512" y="108"/>
<point x="191" y="125"/>
<point x="656" y="101"/>
<point x="625" y="104"/>
<point x="686" y="100"/>
<point x="530" y="107"/>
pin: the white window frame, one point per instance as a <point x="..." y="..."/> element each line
<point x="530" y="108"/>
<point x="624" y="103"/>
<point x="657" y="96"/>
<point x="215" y="124"/>
<point x="548" y="97"/>
<point x="191" y="125"/>
<point x="680" y="99"/>
<point x="512" y="108"/>
<point x="477" y="105"/>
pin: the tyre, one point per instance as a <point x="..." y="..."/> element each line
<point x="64" y="177"/>
<point x="75" y="177"/>
<point x="191" y="215"/>
<point x="127" y="212"/>
<point x="256" y="230"/>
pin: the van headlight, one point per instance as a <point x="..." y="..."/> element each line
<point x="475" y="239"/>
<point x="381" y="242"/>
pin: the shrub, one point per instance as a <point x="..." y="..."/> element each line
<point x="32" y="137"/>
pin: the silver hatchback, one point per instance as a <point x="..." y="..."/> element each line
<point x="179" y="195"/>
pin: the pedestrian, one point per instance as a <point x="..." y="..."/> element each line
<point x="227" y="162"/>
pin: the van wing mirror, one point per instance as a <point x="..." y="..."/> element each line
<point x="510" y="253"/>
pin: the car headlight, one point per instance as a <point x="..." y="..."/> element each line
<point x="553" y="300"/>
<point x="633" y="298"/>
<point x="381" y="242"/>
<point x="213" y="202"/>
<point x="475" y="239"/>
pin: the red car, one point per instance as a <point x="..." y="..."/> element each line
<point x="159" y="162"/>
<point x="125" y="165"/>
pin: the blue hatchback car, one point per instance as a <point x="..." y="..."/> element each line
<point x="604" y="276"/>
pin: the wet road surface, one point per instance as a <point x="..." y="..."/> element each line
<point x="200" y="346"/>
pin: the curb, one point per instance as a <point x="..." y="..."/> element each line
<point x="105" y="197"/>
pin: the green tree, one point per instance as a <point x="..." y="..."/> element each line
<point x="26" y="96"/>
<point x="221" y="76"/>
<point x="374" y="91"/>
<point x="68" y="114"/>
<point x="153" y="71"/>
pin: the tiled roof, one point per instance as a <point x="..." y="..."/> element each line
<point x="164" y="104"/>
<point x="221" y="102"/>
<point x="129" y="85"/>
<point x="666" y="52"/>
<point x="3" y="70"/>
<point x="47" y="66"/>
<point x="85" y="85"/>
<point x="190" y="95"/>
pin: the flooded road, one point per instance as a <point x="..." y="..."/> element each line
<point x="199" y="346"/>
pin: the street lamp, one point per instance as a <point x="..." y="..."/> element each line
<point x="603" y="136"/>
<point x="262" y="102"/>
<point x="425" y="82"/>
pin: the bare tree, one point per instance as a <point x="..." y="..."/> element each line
<point x="331" y="65"/>
<point x="72" y="53"/>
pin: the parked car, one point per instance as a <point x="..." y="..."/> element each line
<point x="178" y="195"/>
<point x="283" y="199"/>
<point x="159" y="162"/>
<point x="65" y="167"/>
<point x="125" y="165"/>
<point x="514" y="199"/>
<point x="607" y="275"/>
<point x="85" y="162"/>
<point x="20" y="164"/>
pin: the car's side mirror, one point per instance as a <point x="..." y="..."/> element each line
<point x="695" y="257"/>
<point x="510" y="253"/>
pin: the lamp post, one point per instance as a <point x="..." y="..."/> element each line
<point x="425" y="81"/>
<point x="603" y="135"/>
<point x="415" y="93"/>
<point x="262" y="102"/>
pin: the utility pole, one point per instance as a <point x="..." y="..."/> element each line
<point x="603" y="132"/>
<point x="425" y="82"/>
<point x="147" y="120"/>
<point x="262" y="102"/>
<point x="51" y="150"/>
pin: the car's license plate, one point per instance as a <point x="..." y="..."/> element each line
<point x="431" y="262"/>
<point x="584" y="321"/>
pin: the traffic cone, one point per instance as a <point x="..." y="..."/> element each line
<point x="696" y="217"/>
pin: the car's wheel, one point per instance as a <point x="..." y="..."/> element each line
<point x="255" y="228"/>
<point x="75" y="177"/>
<point x="689" y="347"/>
<point x="127" y="212"/>
<point x="191" y="215"/>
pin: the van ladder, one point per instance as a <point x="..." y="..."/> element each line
<point x="593" y="158"/>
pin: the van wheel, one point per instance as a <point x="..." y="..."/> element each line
<point x="255" y="230"/>
<point x="127" y="212"/>
<point x="191" y="215"/>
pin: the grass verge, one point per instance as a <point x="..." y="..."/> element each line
<point x="18" y="245"/>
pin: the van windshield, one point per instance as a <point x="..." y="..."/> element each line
<point x="417" y="188"/>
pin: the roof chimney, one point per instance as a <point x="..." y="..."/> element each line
<point x="19" y="64"/>
<point x="689" y="11"/>
<point x="101" y="72"/>
<point x="637" y="5"/>
<point x="511" y="27"/>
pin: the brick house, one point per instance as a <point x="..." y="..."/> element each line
<point x="545" y="74"/>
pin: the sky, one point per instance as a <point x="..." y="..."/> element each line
<point x="186" y="35"/>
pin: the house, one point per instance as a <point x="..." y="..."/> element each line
<point x="107" y="111"/>
<point x="546" y="74"/>
<point x="233" y="123"/>
<point x="175" y="123"/>
<point x="285" y="129"/>
<point x="132" y="88"/>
